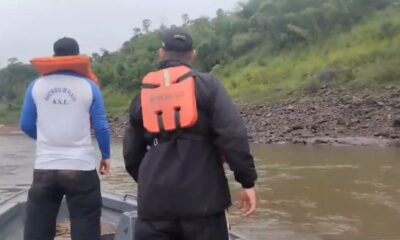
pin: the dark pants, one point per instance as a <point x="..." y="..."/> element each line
<point x="82" y="191"/>
<point x="206" y="228"/>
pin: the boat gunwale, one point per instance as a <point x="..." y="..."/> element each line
<point x="118" y="203"/>
<point x="11" y="206"/>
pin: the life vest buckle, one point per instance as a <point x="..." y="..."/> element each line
<point x="155" y="142"/>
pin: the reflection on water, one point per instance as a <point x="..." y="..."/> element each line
<point x="305" y="193"/>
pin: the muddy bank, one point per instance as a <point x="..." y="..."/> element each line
<point x="10" y="129"/>
<point x="327" y="116"/>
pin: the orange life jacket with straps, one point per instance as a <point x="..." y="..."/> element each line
<point x="78" y="64"/>
<point x="168" y="99"/>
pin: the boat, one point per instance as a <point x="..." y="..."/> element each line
<point x="118" y="217"/>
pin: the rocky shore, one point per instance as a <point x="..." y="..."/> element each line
<point x="326" y="116"/>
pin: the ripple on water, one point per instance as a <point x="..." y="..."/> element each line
<point x="373" y="184"/>
<point x="330" y="229"/>
<point x="320" y="167"/>
<point x="332" y="225"/>
<point x="297" y="202"/>
<point x="9" y="170"/>
<point x="119" y="182"/>
<point x="274" y="229"/>
<point x="378" y="198"/>
<point x="386" y="168"/>
<point x="281" y="177"/>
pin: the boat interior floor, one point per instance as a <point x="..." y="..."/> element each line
<point x="63" y="231"/>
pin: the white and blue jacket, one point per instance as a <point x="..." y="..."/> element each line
<point x="58" y="112"/>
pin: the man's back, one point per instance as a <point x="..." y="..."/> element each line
<point x="58" y="112"/>
<point x="64" y="105"/>
<point x="182" y="189"/>
<point x="182" y="174"/>
<point x="63" y="108"/>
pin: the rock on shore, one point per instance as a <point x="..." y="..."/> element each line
<point x="328" y="116"/>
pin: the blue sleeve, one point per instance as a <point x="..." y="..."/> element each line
<point x="100" y="123"/>
<point x="29" y="114"/>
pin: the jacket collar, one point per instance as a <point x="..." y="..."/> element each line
<point x="173" y="63"/>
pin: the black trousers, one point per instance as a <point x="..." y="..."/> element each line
<point x="213" y="227"/>
<point x="82" y="191"/>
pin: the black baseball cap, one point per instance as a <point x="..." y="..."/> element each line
<point x="177" y="40"/>
<point x="66" y="47"/>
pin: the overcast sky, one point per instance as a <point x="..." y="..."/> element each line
<point x="28" y="28"/>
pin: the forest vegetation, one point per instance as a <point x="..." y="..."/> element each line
<point x="263" y="51"/>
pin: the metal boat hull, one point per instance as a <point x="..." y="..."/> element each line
<point x="118" y="218"/>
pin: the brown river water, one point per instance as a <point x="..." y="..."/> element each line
<point x="305" y="192"/>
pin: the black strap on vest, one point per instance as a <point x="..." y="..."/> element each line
<point x="160" y="122"/>
<point x="149" y="86"/>
<point x="178" y="118"/>
<point x="168" y="137"/>
<point x="185" y="76"/>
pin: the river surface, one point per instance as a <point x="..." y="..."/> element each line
<point x="305" y="192"/>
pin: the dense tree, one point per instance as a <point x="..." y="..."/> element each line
<point x="137" y="32"/>
<point x="268" y="27"/>
<point x="220" y="13"/>
<point x="276" y="25"/>
<point x="185" y="19"/>
<point x="146" y="25"/>
<point x="12" y="60"/>
<point x="14" y="79"/>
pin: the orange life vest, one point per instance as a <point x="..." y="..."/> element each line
<point x="79" y="64"/>
<point x="168" y="100"/>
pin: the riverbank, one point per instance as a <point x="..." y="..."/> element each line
<point x="328" y="116"/>
<point x="333" y="116"/>
<point x="9" y="129"/>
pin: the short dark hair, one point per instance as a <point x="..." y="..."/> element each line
<point x="66" y="47"/>
<point x="181" y="56"/>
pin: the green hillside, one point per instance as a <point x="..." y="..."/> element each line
<point x="367" y="55"/>
<point x="271" y="48"/>
<point x="264" y="51"/>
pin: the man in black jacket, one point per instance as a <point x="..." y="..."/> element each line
<point x="182" y="189"/>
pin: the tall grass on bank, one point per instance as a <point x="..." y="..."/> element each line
<point x="117" y="103"/>
<point x="10" y="112"/>
<point x="366" y="56"/>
